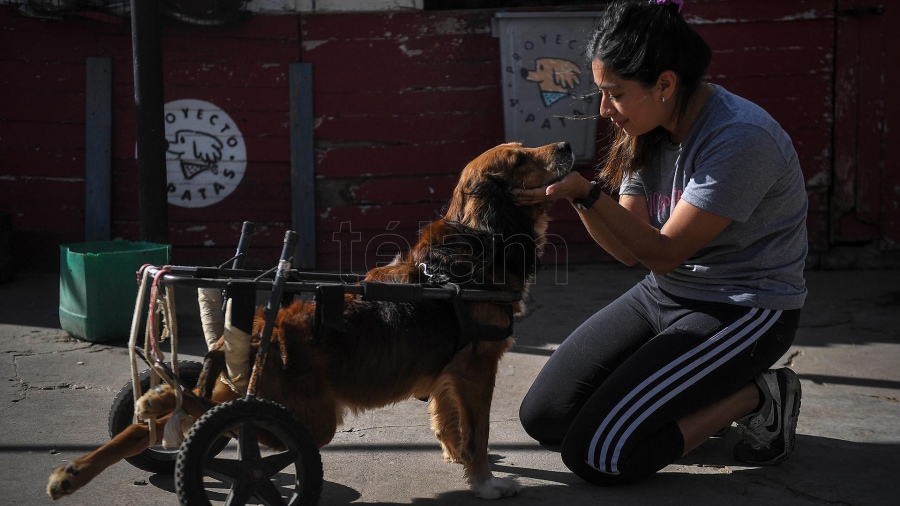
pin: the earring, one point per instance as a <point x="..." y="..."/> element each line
<point x="664" y="100"/>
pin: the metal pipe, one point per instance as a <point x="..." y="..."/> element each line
<point x="247" y="230"/>
<point x="271" y="311"/>
<point x="149" y="108"/>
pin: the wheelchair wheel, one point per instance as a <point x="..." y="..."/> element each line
<point x="155" y="459"/>
<point x="289" y="477"/>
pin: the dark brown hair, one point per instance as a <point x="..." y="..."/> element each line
<point x="638" y="40"/>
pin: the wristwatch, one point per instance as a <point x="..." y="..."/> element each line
<point x="592" y="196"/>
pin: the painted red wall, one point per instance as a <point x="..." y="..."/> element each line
<point x="404" y="100"/>
<point x="42" y="130"/>
<point x="866" y="204"/>
<point x="401" y="102"/>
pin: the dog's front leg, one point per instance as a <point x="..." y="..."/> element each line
<point x="473" y="380"/>
<point x="68" y="478"/>
<point x="444" y="408"/>
<point x="474" y="432"/>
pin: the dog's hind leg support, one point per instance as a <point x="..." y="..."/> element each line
<point x="239" y="311"/>
<point x="212" y="316"/>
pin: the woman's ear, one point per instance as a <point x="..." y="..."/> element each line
<point x="666" y="86"/>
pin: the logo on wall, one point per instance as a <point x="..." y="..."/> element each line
<point x="547" y="87"/>
<point x="556" y="77"/>
<point x="206" y="155"/>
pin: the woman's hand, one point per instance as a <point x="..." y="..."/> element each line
<point x="572" y="186"/>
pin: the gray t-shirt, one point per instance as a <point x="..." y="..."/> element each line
<point x="736" y="162"/>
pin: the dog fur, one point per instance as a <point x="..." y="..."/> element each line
<point x="391" y="351"/>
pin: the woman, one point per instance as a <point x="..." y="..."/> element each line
<point x="713" y="202"/>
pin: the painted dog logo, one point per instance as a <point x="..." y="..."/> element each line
<point x="202" y="149"/>
<point x="555" y="76"/>
<point x="206" y="156"/>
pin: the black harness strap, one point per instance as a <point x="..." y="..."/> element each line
<point x="329" y="308"/>
<point x="243" y="305"/>
<point x="469" y="330"/>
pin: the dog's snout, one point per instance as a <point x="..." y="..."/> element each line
<point x="524" y="72"/>
<point x="565" y="158"/>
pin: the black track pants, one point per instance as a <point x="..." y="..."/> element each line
<point x="612" y="392"/>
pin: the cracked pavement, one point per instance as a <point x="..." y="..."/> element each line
<point x="58" y="391"/>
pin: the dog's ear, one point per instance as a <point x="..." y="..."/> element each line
<point x="493" y="207"/>
<point x="484" y="221"/>
<point x="456" y="207"/>
<point x="472" y="180"/>
<point x="511" y="225"/>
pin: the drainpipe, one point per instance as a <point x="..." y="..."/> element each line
<point x="151" y="141"/>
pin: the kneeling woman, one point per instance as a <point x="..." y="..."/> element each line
<point x="713" y="202"/>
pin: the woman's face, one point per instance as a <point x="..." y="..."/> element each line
<point x="629" y="104"/>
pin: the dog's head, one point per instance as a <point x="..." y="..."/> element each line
<point x="486" y="238"/>
<point x="483" y="198"/>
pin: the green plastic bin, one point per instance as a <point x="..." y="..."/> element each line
<point x="98" y="286"/>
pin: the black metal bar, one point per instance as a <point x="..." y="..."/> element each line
<point x="242" y="296"/>
<point x="247" y="230"/>
<point x="271" y="311"/>
<point x="303" y="211"/>
<point x="178" y="278"/>
<point x="221" y="272"/>
<point x="149" y="109"/>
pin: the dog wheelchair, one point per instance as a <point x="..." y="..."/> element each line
<point x="206" y="471"/>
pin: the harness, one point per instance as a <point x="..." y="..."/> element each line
<point x="330" y="306"/>
<point x="472" y="331"/>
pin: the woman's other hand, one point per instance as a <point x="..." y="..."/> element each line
<point x="572" y="186"/>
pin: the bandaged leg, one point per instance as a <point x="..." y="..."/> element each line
<point x="212" y="318"/>
<point x="237" y="353"/>
<point x="176" y="428"/>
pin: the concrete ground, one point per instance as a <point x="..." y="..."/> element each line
<point x="847" y="353"/>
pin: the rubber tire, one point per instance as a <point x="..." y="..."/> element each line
<point x="272" y="417"/>
<point x="121" y="414"/>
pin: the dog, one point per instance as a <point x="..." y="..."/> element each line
<point x="385" y="352"/>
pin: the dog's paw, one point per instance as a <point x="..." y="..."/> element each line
<point x="495" y="488"/>
<point x="450" y="457"/>
<point x="449" y="453"/>
<point x="155" y="403"/>
<point x="66" y="479"/>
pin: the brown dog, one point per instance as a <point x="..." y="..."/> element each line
<point x="389" y="351"/>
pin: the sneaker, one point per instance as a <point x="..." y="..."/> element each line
<point x="767" y="436"/>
